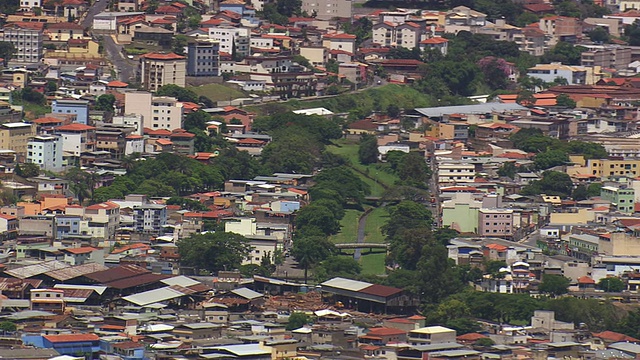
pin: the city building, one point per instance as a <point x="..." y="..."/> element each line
<point x="203" y="58"/>
<point x="79" y="108"/>
<point x="232" y="40"/>
<point x="150" y="218"/>
<point x="46" y="152"/>
<point x="622" y="199"/>
<point x="607" y="57"/>
<point x="157" y="69"/>
<point x="574" y="75"/>
<point x="77" y="138"/>
<point x="495" y="222"/>
<point x="15" y="136"/>
<point x="27" y="41"/>
<point x="328" y="9"/>
<point x="158" y="112"/>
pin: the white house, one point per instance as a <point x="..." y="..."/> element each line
<point x="46" y="152"/>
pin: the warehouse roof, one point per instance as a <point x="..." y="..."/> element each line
<point x="469" y="109"/>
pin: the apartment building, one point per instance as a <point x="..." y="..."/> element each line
<point x="157" y="69"/>
<point x="328" y="9"/>
<point x="561" y="28"/>
<point x="231" y="39"/>
<point x="158" y="112"/>
<point x="46" y="152"/>
<point x="622" y="199"/>
<point x="15" y="136"/>
<point x="575" y="75"/>
<point x="150" y="218"/>
<point x="30" y="4"/>
<point x="79" y="108"/>
<point x="407" y="35"/>
<point x="607" y="57"/>
<point x="203" y="58"/>
<point x="27" y="42"/>
<point x="77" y="138"/>
<point x="495" y="222"/>
<point x="340" y="41"/>
<point x="456" y="173"/>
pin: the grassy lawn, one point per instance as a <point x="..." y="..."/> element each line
<point x="372" y="230"/>
<point x="34" y="111"/>
<point x="217" y="92"/>
<point x="373" y="264"/>
<point x="349" y="231"/>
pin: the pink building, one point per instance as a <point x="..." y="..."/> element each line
<point x="495" y="223"/>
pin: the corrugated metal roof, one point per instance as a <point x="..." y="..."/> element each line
<point x="36" y="269"/>
<point x="139" y="280"/>
<point x="77" y="295"/>
<point x="75" y="271"/>
<point x="380" y="290"/>
<point x="117" y="273"/>
<point x="98" y="289"/>
<point x="468" y="109"/>
<point x="11" y="284"/>
<point x="246" y="293"/>
<point x="179" y="280"/>
<point x="346" y="284"/>
<point x="158" y="295"/>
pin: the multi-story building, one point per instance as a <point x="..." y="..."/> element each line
<point x="158" y="112"/>
<point x="435" y="43"/>
<point x="407" y="35"/>
<point x="232" y="40"/>
<point x="575" y="75"/>
<point x="108" y="212"/>
<point x="158" y="69"/>
<point x="328" y="9"/>
<point x="8" y="227"/>
<point x="203" y="58"/>
<point x="340" y="41"/>
<point x="79" y="108"/>
<point x="150" y="218"/>
<point x="461" y="213"/>
<point x="130" y="120"/>
<point x="495" y="222"/>
<point x="621" y="199"/>
<point x="30" y="4"/>
<point x="432" y="335"/>
<point x="64" y="31"/>
<point x="462" y="18"/>
<point x="46" y="152"/>
<point x="317" y="55"/>
<point x="77" y="138"/>
<point x="27" y="42"/>
<point x="607" y="57"/>
<point x="15" y="136"/>
<point x="112" y="138"/>
<point x="51" y="300"/>
<point x="561" y="28"/>
<point x="456" y="173"/>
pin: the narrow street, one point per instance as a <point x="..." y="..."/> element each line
<point x="125" y="68"/>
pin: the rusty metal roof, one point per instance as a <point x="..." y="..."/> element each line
<point x="75" y="271"/>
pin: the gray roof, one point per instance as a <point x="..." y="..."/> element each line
<point x="346" y="284"/>
<point x="469" y="109"/>
<point x="179" y="280"/>
<point x="454" y="353"/>
<point x="612" y="354"/>
<point x="243" y="350"/>
<point x="27" y="353"/>
<point x="436" y="347"/>
<point x="203" y="325"/>
<point x="629" y="348"/>
<point x="28" y="314"/>
<point x="246" y="293"/>
<point x="37" y="269"/>
<point x="157" y="295"/>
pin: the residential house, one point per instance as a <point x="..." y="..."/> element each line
<point x="64" y="31"/>
<point x="496" y="222"/>
<point x="339" y="41"/>
<point x="77" y="138"/>
<point x="79" y="108"/>
<point x="232" y="39"/>
<point x="46" y="152"/>
<point x="431" y="335"/>
<point x="561" y="28"/>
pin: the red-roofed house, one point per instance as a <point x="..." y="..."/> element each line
<point x="83" y="255"/>
<point x="470" y="338"/>
<point x="586" y="283"/>
<point x="8" y="227"/>
<point x="435" y="43"/>
<point x="612" y="336"/>
<point x="339" y="41"/>
<point x="68" y="344"/>
<point x="383" y="335"/>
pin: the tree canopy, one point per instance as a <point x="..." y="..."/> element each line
<point x="214" y="251"/>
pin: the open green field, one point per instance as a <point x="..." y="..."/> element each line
<point x="349" y="228"/>
<point x="217" y="92"/>
<point x="373" y="263"/>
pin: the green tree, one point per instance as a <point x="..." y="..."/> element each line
<point x="8" y="326"/>
<point x="289" y="7"/>
<point x="196" y="120"/>
<point x="580" y="193"/>
<point x="105" y="102"/>
<point x="51" y="87"/>
<point x="565" y="53"/>
<point x="7" y="50"/>
<point x="178" y="92"/>
<point x="80" y="183"/>
<point x="309" y="251"/>
<point x="413" y="170"/>
<point x="599" y="35"/>
<point x="27" y="170"/>
<point x="405" y="249"/>
<point x="484" y="342"/>
<point x="554" y="284"/>
<point x="508" y="169"/>
<point x="611" y="284"/>
<point x="594" y="189"/>
<point x="437" y="275"/>
<point x="550" y="158"/>
<point x="565" y="101"/>
<point x="368" y="149"/>
<point x="178" y="44"/>
<point x="337" y="266"/>
<point x="214" y="251"/>
<point x="406" y="215"/>
<point x="316" y="217"/>
<point x="297" y="320"/>
<point x="630" y="324"/>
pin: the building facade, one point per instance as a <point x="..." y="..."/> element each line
<point x="46" y="152"/>
<point x="328" y="9"/>
<point x="28" y="44"/>
<point x="158" y="69"/>
<point x="79" y="108"/>
<point x="203" y="58"/>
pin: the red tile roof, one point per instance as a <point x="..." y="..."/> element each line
<point x="586" y="280"/>
<point x="434" y="40"/>
<point x="470" y="337"/>
<point x="164" y="142"/>
<point x="380" y="290"/>
<point x="496" y="247"/>
<point x="47" y="120"/>
<point x="80" y="250"/>
<point x="614" y="336"/>
<point x="64" y="26"/>
<point x="168" y="9"/>
<point x="161" y="56"/>
<point x="340" y="36"/>
<point x="118" y="84"/>
<point x="75" y="127"/>
<point x="67" y="338"/>
<point x="385" y="331"/>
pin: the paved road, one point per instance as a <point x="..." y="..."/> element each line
<point x="362" y="223"/>
<point x="94" y="10"/>
<point x="125" y="68"/>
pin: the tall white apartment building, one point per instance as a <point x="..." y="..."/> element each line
<point x="232" y="39"/>
<point x="158" y="69"/>
<point x="28" y="43"/>
<point x="158" y="112"/>
<point x="46" y="152"/>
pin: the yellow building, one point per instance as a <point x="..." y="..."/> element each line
<point x="15" y="136"/>
<point x="605" y="168"/>
<point x="83" y="46"/>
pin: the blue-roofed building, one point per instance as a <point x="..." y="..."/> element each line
<point x="79" y="108"/>
<point x="67" y="344"/>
